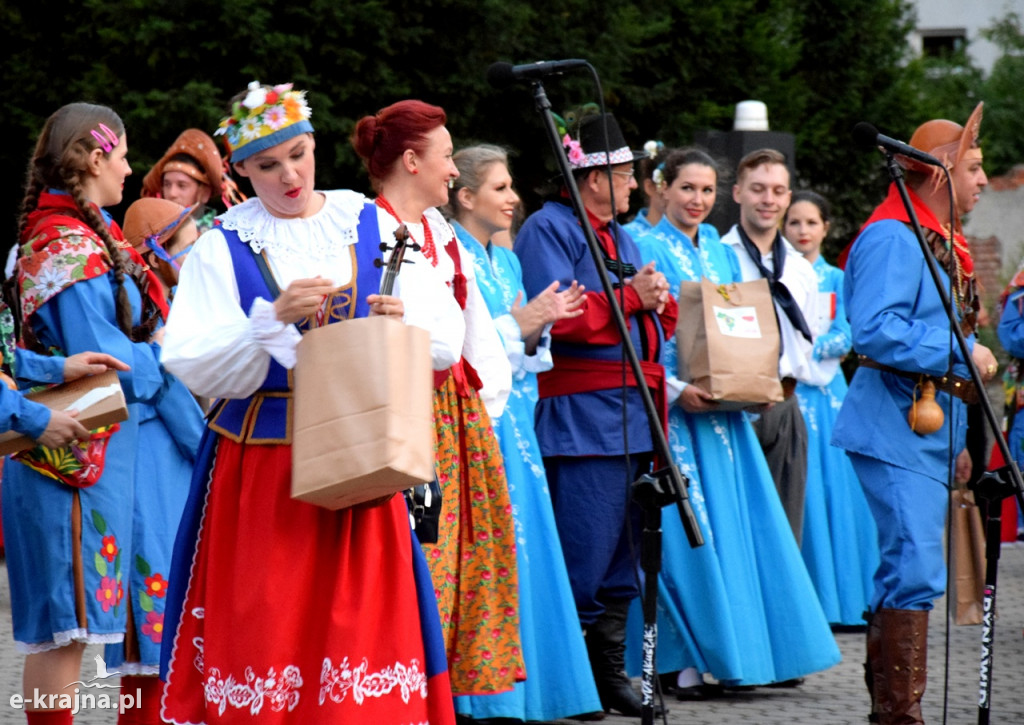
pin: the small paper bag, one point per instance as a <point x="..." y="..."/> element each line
<point x="967" y="541"/>
<point x="363" y="405"/>
<point x="728" y="342"/>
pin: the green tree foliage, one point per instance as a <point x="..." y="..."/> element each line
<point x="668" y="69"/>
<point x="1004" y="103"/>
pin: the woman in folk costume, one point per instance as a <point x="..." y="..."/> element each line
<point x="560" y="682"/>
<point x="68" y="511"/>
<point x="742" y="606"/>
<point x="902" y="333"/>
<point x="287" y="612"/>
<point x="647" y="217"/>
<point x="169" y="431"/>
<point x="840" y="541"/>
<point x="408" y="153"/>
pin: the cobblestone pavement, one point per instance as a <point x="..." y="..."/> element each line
<point x="834" y="697"/>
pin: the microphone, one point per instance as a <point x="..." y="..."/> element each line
<point x="868" y="135"/>
<point x="500" y="74"/>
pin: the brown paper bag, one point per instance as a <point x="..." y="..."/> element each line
<point x="967" y="541"/>
<point x="728" y="341"/>
<point x="363" y="412"/>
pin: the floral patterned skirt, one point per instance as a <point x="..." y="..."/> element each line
<point x="473" y="563"/>
<point x="298" y="614"/>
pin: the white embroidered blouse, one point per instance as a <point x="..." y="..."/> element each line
<point x="222" y="351"/>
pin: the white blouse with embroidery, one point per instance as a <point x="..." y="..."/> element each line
<point x="222" y="351"/>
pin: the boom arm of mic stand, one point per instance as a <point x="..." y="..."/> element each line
<point x="896" y="174"/>
<point x="675" y="478"/>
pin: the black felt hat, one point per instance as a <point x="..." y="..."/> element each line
<point x="591" y="150"/>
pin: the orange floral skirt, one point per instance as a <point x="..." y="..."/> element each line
<point x="473" y="563"/>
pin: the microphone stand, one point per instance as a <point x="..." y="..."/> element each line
<point x="992" y="487"/>
<point x="651" y="492"/>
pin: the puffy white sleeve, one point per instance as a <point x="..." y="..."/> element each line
<point x="214" y="346"/>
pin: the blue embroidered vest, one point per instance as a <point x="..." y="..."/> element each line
<point x="265" y="417"/>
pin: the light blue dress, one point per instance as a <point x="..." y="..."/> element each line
<point x="840" y="538"/>
<point x="640" y="225"/>
<point x="742" y="606"/>
<point x="559" y="681"/>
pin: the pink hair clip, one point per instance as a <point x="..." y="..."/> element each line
<point x="108" y="143"/>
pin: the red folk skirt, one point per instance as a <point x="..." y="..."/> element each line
<point x="298" y="614"/>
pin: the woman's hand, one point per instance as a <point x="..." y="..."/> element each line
<point x="548" y="306"/>
<point x="90" y="363"/>
<point x="62" y="429"/>
<point x="695" y="399"/>
<point x="302" y="299"/>
<point x="386" y="305"/>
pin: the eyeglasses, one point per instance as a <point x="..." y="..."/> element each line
<point x="627" y="174"/>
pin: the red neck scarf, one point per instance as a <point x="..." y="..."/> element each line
<point x="892" y="208"/>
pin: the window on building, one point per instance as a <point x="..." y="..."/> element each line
<point x="943" y="42"/>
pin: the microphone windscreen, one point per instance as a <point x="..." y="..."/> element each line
<point x="500" y="74"/>
<point x="865" y="134"/>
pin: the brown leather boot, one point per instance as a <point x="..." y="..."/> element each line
<point x="903" y="656"/>
<point x="873" y="663"/>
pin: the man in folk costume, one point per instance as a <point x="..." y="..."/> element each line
<point x="191" y="173"/>
<point x="580" y="413"/>
<point x="763" y="193"/>
<point x="902" y="333"/>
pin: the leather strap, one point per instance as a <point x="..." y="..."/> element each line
<point x="956" y="386"/>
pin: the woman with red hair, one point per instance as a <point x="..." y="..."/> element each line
<point x="408" y="153"/>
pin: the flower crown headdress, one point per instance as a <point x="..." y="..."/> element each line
<point x="266" y="117"/>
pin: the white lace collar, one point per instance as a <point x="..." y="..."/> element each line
<point x="317" y="237"/>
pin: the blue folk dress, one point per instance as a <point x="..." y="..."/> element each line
<point x="68" y="295"/>
<point x="742" y="606"/>
<point x="840" y="538"/>
<point x="558" y="676"/>
<point x="169" y="432"/>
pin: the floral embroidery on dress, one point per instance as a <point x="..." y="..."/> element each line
<point x="280" y="691"/>
<point x="154" y="627"/>
<point x="107" y="561"/>
<point x="338" y="682"/>
<point x="154" y="587"/>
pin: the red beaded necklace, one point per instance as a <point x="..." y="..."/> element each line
<point x="429" y="251"/>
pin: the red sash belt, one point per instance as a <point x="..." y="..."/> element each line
<point x="466" y="378"/>
<point x="584" y="375"/>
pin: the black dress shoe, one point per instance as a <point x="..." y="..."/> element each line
<point x="703" y="691"/>
<point x="787" y="684"/>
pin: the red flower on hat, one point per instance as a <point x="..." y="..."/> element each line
<point x="271" y="98"/>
